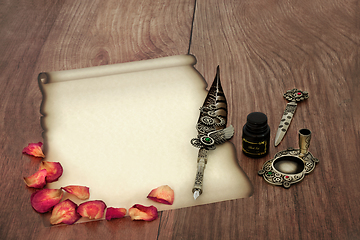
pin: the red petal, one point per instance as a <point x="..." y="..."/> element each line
<point x="92" y="209"/>
<point x="163" y="194"/>
<point x="64" y="212"/>
<point x="42" y="201"/>
<point x="34" y="149"/>
<point x="80" y="192"/>
<point x="115" y="213"/>
<point x="54" y="170"/>
<point x="37" y="180"/>
<point x="140" y="212"/>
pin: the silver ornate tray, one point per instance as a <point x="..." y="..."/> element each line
<point x="291" y="165"/>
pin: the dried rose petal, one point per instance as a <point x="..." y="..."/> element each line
<point x="80" y="192"/>
<point x="37" y="180"/>
<point x="92" y="209"/>
<point x="54" y="170"/>
<point x="140" y="212"/>
<point x="64" y="212"/>
<point x="163" y="194"/>
<point x="34" y="149"/>
<point x="115" y="213"/>
<point x="42" y="201"/>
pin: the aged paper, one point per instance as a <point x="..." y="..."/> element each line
<point x="125" y="129"/>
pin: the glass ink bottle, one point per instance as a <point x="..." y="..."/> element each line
<point x="256" y="135"/>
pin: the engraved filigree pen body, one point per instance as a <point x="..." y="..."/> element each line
<point x="211" y="127"/>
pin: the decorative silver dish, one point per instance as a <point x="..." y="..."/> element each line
<point x="291" y="165"/>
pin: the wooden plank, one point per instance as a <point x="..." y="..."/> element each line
<point x="105" y="32"/>
<point x="265" y="48"/>
<point x="47" y="36"/>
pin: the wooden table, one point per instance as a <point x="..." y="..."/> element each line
<point x="263" y="48"/>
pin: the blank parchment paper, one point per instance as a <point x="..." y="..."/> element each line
<point x="125" y="129"/>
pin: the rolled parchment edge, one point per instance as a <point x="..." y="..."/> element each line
<point x="118" y="68"/>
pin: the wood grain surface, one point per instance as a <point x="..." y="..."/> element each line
<point x="42" y="36"/>
<point x="263" y="48"/>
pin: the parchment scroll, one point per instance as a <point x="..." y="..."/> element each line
<point x="125" y="129"/>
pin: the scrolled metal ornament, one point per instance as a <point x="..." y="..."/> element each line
<point x="296" y="95"/>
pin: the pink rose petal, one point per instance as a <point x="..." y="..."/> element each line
<point x="64" y="212"/>
<point x="80" y="192"/>
<point x="42" y="201"/>
<point x="54" y="170"/>
<point x="115" y="213"/>
<point x="92" y="209"/>
<point x="163" y="194"/>
<point x="37" y="180"/>
<point x="140" y="212"/>
<point x="34" y="149"/>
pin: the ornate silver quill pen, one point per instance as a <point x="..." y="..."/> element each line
<point x="211" y="129"/>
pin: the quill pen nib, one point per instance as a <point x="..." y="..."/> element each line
<point x="196" y="194"/>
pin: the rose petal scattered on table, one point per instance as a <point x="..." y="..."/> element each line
<point x="64" y="212"/>
<point x="140" y="212"/>
<point x="115" y="213"/>
<point x="92" y="209"/>
<point x="34" y="149"/>
<point x="163" y="194"/>
<point x="37" y="180"/>
<point x="42" y="201"/>
<point x="54" y="170"/>
<point x="80" y="192"/>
